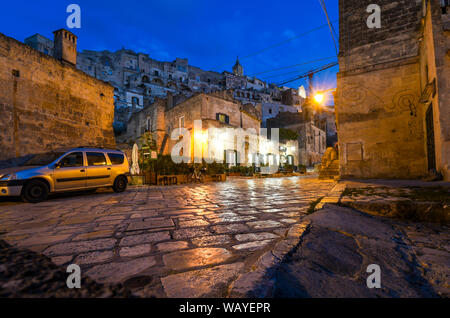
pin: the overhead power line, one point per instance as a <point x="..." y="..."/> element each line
<point x="283" y="74"/>
<point x="330" y="25"/>
<point x="292" y="66"/>
<point x="286" y="41"/>
<point x="309" y="73"/>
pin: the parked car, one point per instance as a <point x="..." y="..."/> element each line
<point x="66" y="170"/>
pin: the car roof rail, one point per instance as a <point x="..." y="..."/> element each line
<point x="92" y="147"/>
<point x="95" y="147"/>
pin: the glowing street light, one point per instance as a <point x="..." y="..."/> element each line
<point x="319" y="98"/>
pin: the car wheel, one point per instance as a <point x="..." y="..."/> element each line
<point x="120" y="184"/>
<point x="34" y="191"/>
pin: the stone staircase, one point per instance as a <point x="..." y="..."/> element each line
<point x="331" y="171"/>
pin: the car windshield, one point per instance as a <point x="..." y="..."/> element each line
<point x="43" y="159"/>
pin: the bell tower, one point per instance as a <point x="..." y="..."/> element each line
<point x="238" y="70"/>
<point x="65" y="46"/>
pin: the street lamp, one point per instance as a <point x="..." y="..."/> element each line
<point x="319" y="98"/>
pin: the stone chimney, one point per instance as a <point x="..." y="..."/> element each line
<point x="65" y="46"/>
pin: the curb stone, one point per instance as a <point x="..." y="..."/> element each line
<point x="333" y="197"/>
<point x="259" y="281"/>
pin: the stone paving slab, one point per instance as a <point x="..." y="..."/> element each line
<point x="411" y="200"/>
<point x="332" y="258"/>
<point x="159" y="239"/>
<point x="210" y="282"/>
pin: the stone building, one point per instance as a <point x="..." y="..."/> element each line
<point x="311" y="143"/>
<point x="219" y="110"/>
<point x="40" y="43"/>
<point x="271" y="110"/>
<point x="326" y="120"/>
<point x="138" y="79"/>
<point x="392" y="100"/>
<point x="312" y="138"/>
<point x="46" y="103"/>
<point x="137" y="76"/>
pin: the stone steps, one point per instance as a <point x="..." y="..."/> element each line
<point x="331" y="172"/>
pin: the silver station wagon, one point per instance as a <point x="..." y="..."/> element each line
<point x="66" y="170"/>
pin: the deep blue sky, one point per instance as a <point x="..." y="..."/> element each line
<point x="209" y="33"/>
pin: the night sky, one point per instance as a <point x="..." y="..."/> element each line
<point x="209" y="33"/>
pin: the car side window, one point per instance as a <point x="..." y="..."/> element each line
<point x="74" y="159"/>
<point x="96" y="159"/>
<point x="116" y="158"/>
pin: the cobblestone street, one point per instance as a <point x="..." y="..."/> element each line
<point x="180" y="241"/>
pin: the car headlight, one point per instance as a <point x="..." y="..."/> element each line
<point x="8" y="177"/>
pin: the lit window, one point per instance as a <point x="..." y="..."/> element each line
<point x="223" y="118"/>
<point x="182" y="122"/>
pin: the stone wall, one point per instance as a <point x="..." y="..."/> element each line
<point x="46" y="104"/>
<point x="396" y="39"/>
<point x="378" y="113"/>
<point x="380" y="130"/>
<point x="388" y="79"/>
<point x="435" y="72"/>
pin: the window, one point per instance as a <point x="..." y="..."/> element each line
<point x="43" y="159"/>
<point x="170" y="76"/>
<point x="149" y="123"/>
<point x="444" y="5"/>
<point x="96" y="159"/>
<point x="135" y="101"/>
<point x="270" y="110"/>
<point x="116" y="158"/>
<point x="156" y="73"/>
<point x="74" y="159"/>
<point x="182" y="122"/>
<point x="223" y="118"/>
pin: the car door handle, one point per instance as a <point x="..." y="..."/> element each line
<point x="82" y="170"/>
<point x="108" y="168"/>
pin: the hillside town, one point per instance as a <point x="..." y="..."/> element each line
<point x="141" y="85"/>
